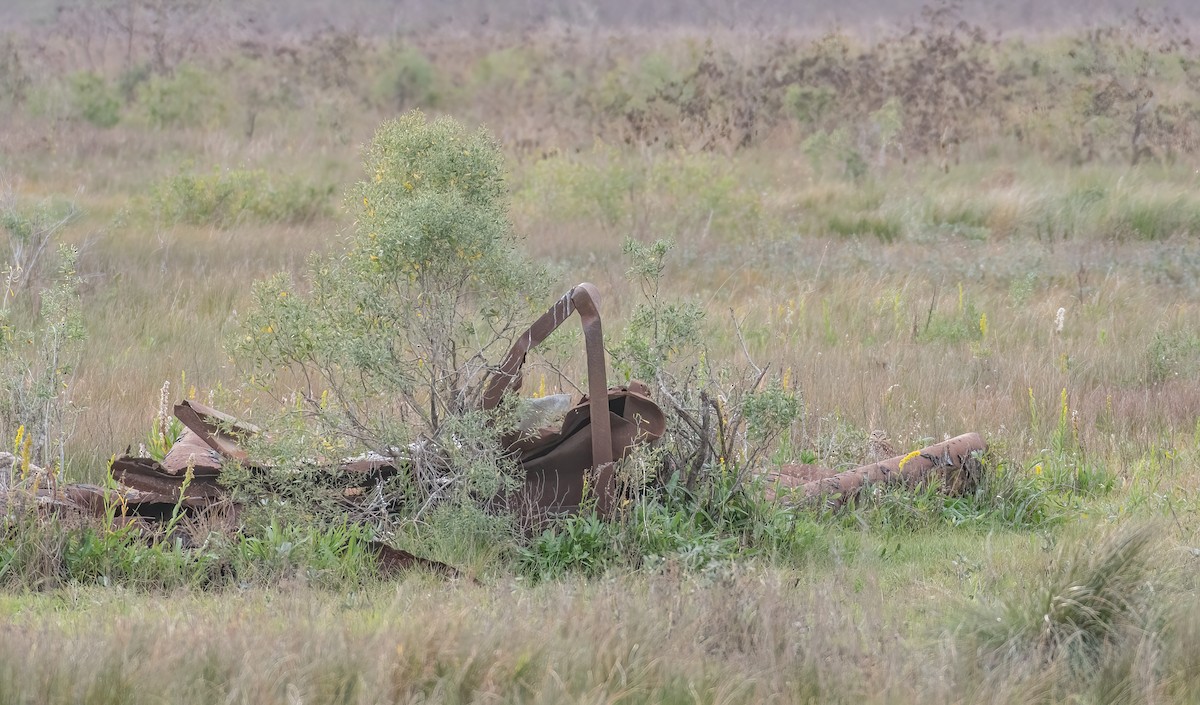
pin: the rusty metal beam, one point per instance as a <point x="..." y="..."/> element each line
<point x="955" y="463"/>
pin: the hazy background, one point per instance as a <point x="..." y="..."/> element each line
<point x="417" y="15"/>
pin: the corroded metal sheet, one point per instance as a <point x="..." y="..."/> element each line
<point x="190" y="452"/>
<point x="158" y="485"/>
<point x="220" y="431"/>
<point x="600" y="429"/>
<point x="394" y="560"/>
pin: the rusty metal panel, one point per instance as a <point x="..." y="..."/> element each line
<point x="149" y="477"/>
<point x="585" y="300"/>
<point x="372" y="466"/>
<point x="601" y="428"/>
<point x="557" y="465"/>
<point x="394" y="560"/>
<point x="220" y="431"/>
<point x="191" y="452"/>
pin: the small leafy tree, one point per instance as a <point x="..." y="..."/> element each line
<point x="385" y="344"/>
<point x="661" y="331"/>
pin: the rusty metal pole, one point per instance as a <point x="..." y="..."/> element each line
<point x="955" y="462"/>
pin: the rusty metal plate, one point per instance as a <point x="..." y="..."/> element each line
<point x="149" y="477"/>
<point x="220" y="431"/>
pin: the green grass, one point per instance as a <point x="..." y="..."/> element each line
<point x="740" y="632"/>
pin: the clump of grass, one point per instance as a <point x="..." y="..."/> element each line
<point x="886" y="229"/>
<point x="1094" y="600"/>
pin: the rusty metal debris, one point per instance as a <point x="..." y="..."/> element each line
<point x="562" y="462"/>
<point x="558" y="460"/>
<point x="602" y="428"/>
<point x="218" y="430"/>
<point x="394" y="560"/>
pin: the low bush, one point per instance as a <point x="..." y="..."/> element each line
<point x="407" y="80"/>
<point x="1173" y="354"/>
<point x="385" y="346"/>
<point x="224" y="199"/>
<point x="94" y="100"/>
<point x="189" y="97"/>
<point x="41" y="331"/>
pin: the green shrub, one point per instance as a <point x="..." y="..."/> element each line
<point x="1174" y="355"/>
<point x="834" y="153"/>
<point x="226" y="198"/>
<point x="808" y="104"/>
<point x="94" y="100"/>
<point x="647" y="88"/>
<point x="330" y="555"/>
<point x="187" y="98"/>
<point x="407" y="80"/>
<point x="41" y="330"/>
<point x="660" y="331"/>
<point x="131" y="79"/>
<point x="583" y="543"/>
<point x="385" y="346"/>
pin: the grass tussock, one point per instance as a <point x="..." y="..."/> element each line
<point x="1096" y="621"/>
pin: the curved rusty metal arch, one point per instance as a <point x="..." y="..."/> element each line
<point x="583" y="299"/>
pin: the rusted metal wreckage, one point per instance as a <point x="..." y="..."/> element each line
<point x="559" y="460"/>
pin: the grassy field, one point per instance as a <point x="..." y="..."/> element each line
<point x="922" y="233"/>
